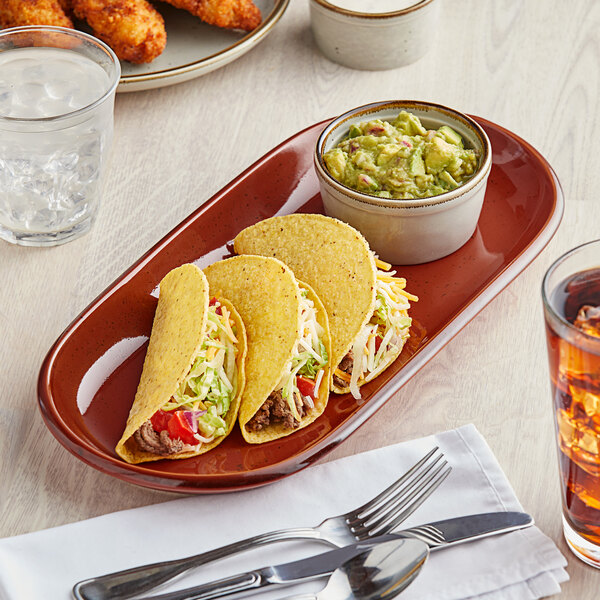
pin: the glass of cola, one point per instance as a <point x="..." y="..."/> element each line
<point x="571" y="296"/>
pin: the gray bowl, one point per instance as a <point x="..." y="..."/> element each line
<point x="374" y="41"/>
<point x="408" y="231"/>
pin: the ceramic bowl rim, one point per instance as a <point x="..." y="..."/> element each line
<point x="482" y="172"/>
<point x="417" y="5"/>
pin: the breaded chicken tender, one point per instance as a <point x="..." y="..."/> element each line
<point x="66" y="6"/>
<point x="16" y="13"/>
<point x="230" y="14"/>
<point x="132" y="28"/>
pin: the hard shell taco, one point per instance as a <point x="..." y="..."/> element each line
<point x="287" y="364"/>
<point x="366" y="303"/>
<point x="189" y="393"/>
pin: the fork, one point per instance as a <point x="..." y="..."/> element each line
<point x="378" y="516"/>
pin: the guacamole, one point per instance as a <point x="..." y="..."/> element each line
<point x="401" y="159"/>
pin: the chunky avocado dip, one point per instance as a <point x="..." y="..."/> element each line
<point x="401" y="159"/>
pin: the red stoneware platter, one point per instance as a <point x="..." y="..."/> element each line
<point x="88" y="380"/>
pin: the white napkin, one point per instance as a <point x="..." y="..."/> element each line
<point x="522" y="565"/>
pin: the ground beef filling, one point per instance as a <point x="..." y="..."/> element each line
<point x="346" y="367"/>
<point x="149" y="440"/>
<point x="275" y="410"/>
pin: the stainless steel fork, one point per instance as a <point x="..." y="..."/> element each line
<point x="377" y="516"/>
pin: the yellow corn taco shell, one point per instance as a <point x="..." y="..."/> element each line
<point x="335" y="259"/>
<point x="267" y="296"/>
<point x="332" y="257"/>
<point x="177" y="334"/>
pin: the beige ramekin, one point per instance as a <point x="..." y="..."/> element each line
<point x="408" y="231"/>
<point x="374" y="41"/>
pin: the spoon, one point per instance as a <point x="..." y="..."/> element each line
<point x="379" y="573"/>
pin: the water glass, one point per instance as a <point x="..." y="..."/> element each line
<point x="571" y="295"/>
<point x="57" y="90"/>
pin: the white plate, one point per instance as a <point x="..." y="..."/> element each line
<point x="195" y="48"/>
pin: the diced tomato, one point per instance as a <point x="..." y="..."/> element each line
<point x="179" y="428"/>
<point x="160" y="420"/>
<point x="306" y="386"/>
<point x="378" y="341"/>
<point x="212" y="302"/>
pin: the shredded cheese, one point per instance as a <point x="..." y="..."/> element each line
<point x="382" y="265"/>
<point x="390" y="322"/>
<point x="211" y="382"/>
<point x="318" y="381"/>
<point x="308" y="348"/>
<point x="226" y="324"/>
<point x="342" y="375"/>
<point x="408" y="295"/>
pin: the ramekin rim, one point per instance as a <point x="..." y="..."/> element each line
<point x="418" y="4"/>
<point x="482" y="171"/>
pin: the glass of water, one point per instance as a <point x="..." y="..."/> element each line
<point x="57" y="91"/>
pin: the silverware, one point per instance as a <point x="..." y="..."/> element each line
<point x="378" y="516"/>
<point x="436" y="535"/>
<point x="466" y="529"/>
<point x="292" y="572"/>
<point x="380" y="573"/>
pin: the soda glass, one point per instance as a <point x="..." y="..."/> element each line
<point x="57" y="90"/>
<point x="571" y="295"/>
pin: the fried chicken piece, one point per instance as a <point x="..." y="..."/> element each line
<point x="16" y="13"/>
<point x="229" y="14"/>
<point x="66" y="6"/>
<point x="132" y="28"/>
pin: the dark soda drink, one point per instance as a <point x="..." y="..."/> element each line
<point x="573" y="336"/>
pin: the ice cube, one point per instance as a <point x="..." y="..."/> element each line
<point x="31" y="69"/>
<point x="30" y="94"/>
<point x="567" y="428"/>
<point x="578" y="367"/>
<point x="588" y="496"/>
<point x="6" y="99"/>
<point x="589" y="441"/>
<point x="588" y="320"/>
<point x="573" y="362"/>
<point x="578" y="441"/>
<point x="589" y="402"/>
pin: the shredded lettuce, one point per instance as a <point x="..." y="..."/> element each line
<point x="310" y="356"/>
<point x="382" y="311"/>
<point x="211" y="382"/>
<point x="210" y="424"/>
<point x="310" y="365"/>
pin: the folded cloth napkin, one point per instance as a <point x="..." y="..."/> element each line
<point x="521" y="565"/>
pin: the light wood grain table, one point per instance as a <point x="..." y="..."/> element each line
<point x="532" y="67"/>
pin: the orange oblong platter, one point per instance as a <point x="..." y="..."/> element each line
<point x="90" y="375"/>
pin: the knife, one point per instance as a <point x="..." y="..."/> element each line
<point x="437" y="535"/>
<point x="466" y="529"/>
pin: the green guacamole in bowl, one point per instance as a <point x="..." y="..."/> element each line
<point x="401" y="159"/>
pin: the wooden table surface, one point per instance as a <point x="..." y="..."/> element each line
<point x="532" y="67"/>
